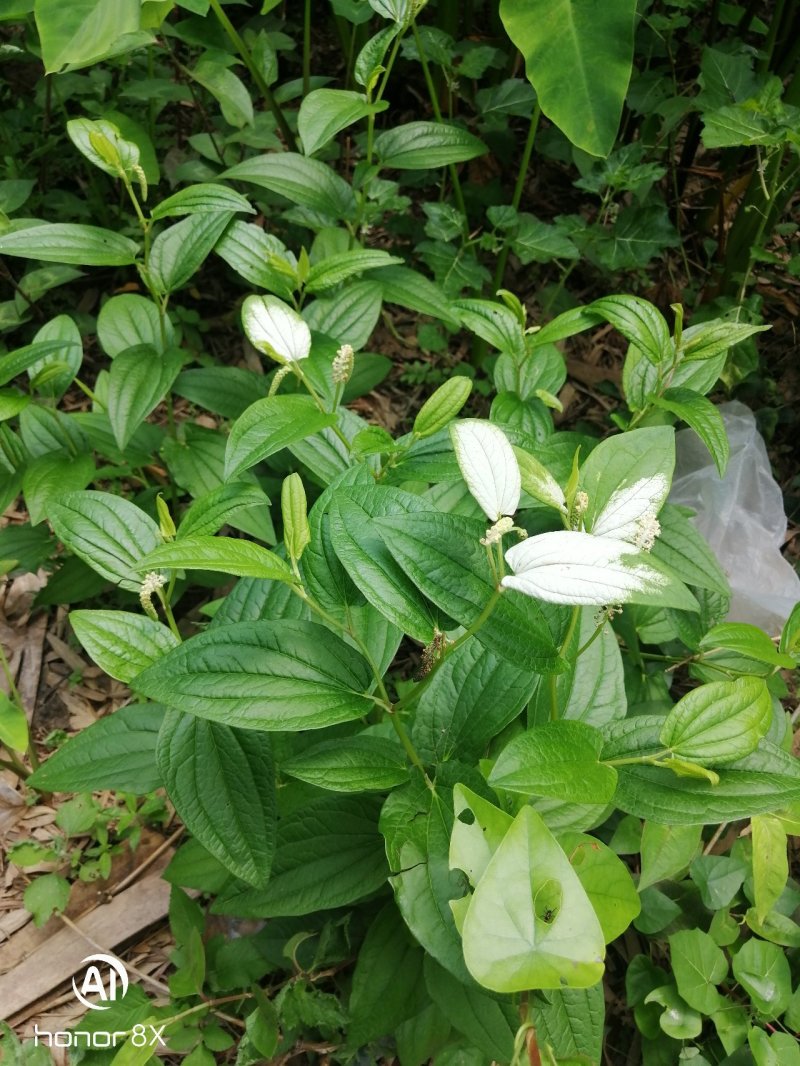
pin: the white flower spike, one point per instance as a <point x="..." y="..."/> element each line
<point x="580" y="569"/>
<point x="276" y="329"/>
<point x="489" y="466"/>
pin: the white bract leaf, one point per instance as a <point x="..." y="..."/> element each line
<point x="580" y="569"/>
<point x="489" y="466"/>
<point x="630" y="513"/>
<point x="276" y="329"/>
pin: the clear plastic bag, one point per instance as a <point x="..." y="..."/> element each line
<point x="742" y="518"/>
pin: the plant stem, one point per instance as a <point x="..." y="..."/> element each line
<point x="306" y="47"/>
<point x="516" y="198"/>
<point x="573" y="621"/>
<point x="426" y="70"/>
<point x="255" y="74"/>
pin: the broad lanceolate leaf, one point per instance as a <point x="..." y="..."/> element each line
<point x="222" y="782"/>
<point x="770" y="863"/>
<point x="335" y="269"/>
<point x="558" y="759"/>
<point x="117" y="752"/>
<point x="179" y="251"/>
<point x="538" y="482"/>
<point x="120" y="642"/>
<point x="489" y="466"/>
<point x="422" y="145"/>
<point x="203" y="198"/>
<point x="442" y="406"/>
<point x="275" y="329"/>
<point x="226" y="555"/>
<point x="370" y="564"/>
<point x="129" y="320"/>
<point x="272" y="675"/>
<point x="720" y="722"/>
<point x="109" y="533"/>
<point x="638" y="321"/>
<point x="269" y="425"/>
<point x="50" y="476"/>
<point x="579" y="568"/>
<point x="325" y="112"/>
<point x="578" y="59"/>
<point x="303" y="181"/>
<point x="708" y="339"/>
<point x="207" y="514"/>
<point x="704" y="418"/>
<point x="83" y="32"/>
<point x="529" y="923"/>
<point x="764" y="781"/>
<point x="441" y="553"/>
<point x="328" y="854"/>
<point x="22" y="359"/>
<point x="473" y="696"/>
<point x="351" y="764"/>
<point x="138" y="380"/>
<point x="66" y="242"/>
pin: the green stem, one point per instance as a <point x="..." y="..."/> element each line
<point x="426" y="70"/>
<point x="638" y="760"/>
<point x="576" y="613"/>
<point x="13" y="764"/>
<point x="170" y="617"/>
<point x="255" y="74"/>
<point x="591" y="639"/>
<point x="312" y="392"/>
<point x="306" y="47"/>
<point x="516" y="198"/>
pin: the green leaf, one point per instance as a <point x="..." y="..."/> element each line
<point x="535" y="241"/>
<point x="703" y="417"/>
<point x="413" y="290"/>
<point x="442" y="554"/>
<point x="416" y="824"/>
<point x="558" y="759"/>
<point x="350" y="764"/>
<point x="478" y="831"/>
<point x="121" y="643"/>
<point x="45" y="895"/>
<point x="330" y="272"/>
<point x="59" y="368"/>
<point x="579" y="61"/>
<point x="328" y="854"/>
<point x="763" y="971"/>
<point x="606" y="881"/>
<point x="678" y="1020"/>
<point x="109" y="533"/>
<point x="425" y="145"/>
<point x="698" y="965"/>
<point x="720" y="722"/>
<point x="294" y="511"/>
<point x="178" y="251"/>
<point x="129" y="320"/>
<point x="207" y="514"/>
<point x="83" y="32"/>
<point x="770" y="863"/>
<point x="529" y="923"/>
<point x="538" y="482"/>
<point x="269" y="675"/>
<point x="248" y="250"/>
<point x="488" y="1025"/>
<point x="762" y="782"/>
<point x="687" y="554"/>
<point x="222" y="782"/>
<point x="709" y="339"/>
<point x="370" y="564"/>
<point x="227" y="89"/>
<point x="494" y="323"/>
<point x="224" y="555"/>
<point x="729" y="643"/>
<point x="269" y="425"/>
<point x="474" y="694"/>
<point x="639" y="322"/>
<point x="22" y="359"/>
<point x="571" y="1020"/>
<point x="348" y="317"/>
<point x="442" y="406"/>
<point x="667" y="850"/>
<point x="13" y="725"/>
<point x="387" y="980"/>
<point x="326" y="112"/>
<point x="66" y="242"/>
<point x="51" y="476"/>
<point x="117" y="752"/>
<point x="304" y="181"/>
<point x="138" y="381"/>
<point x="200" y="199"/>
<point x="369" y="62"/>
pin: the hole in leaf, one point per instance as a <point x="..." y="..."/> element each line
<point x="466" y="816"/>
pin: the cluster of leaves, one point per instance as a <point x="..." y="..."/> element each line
<point x="432" y="712"/>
